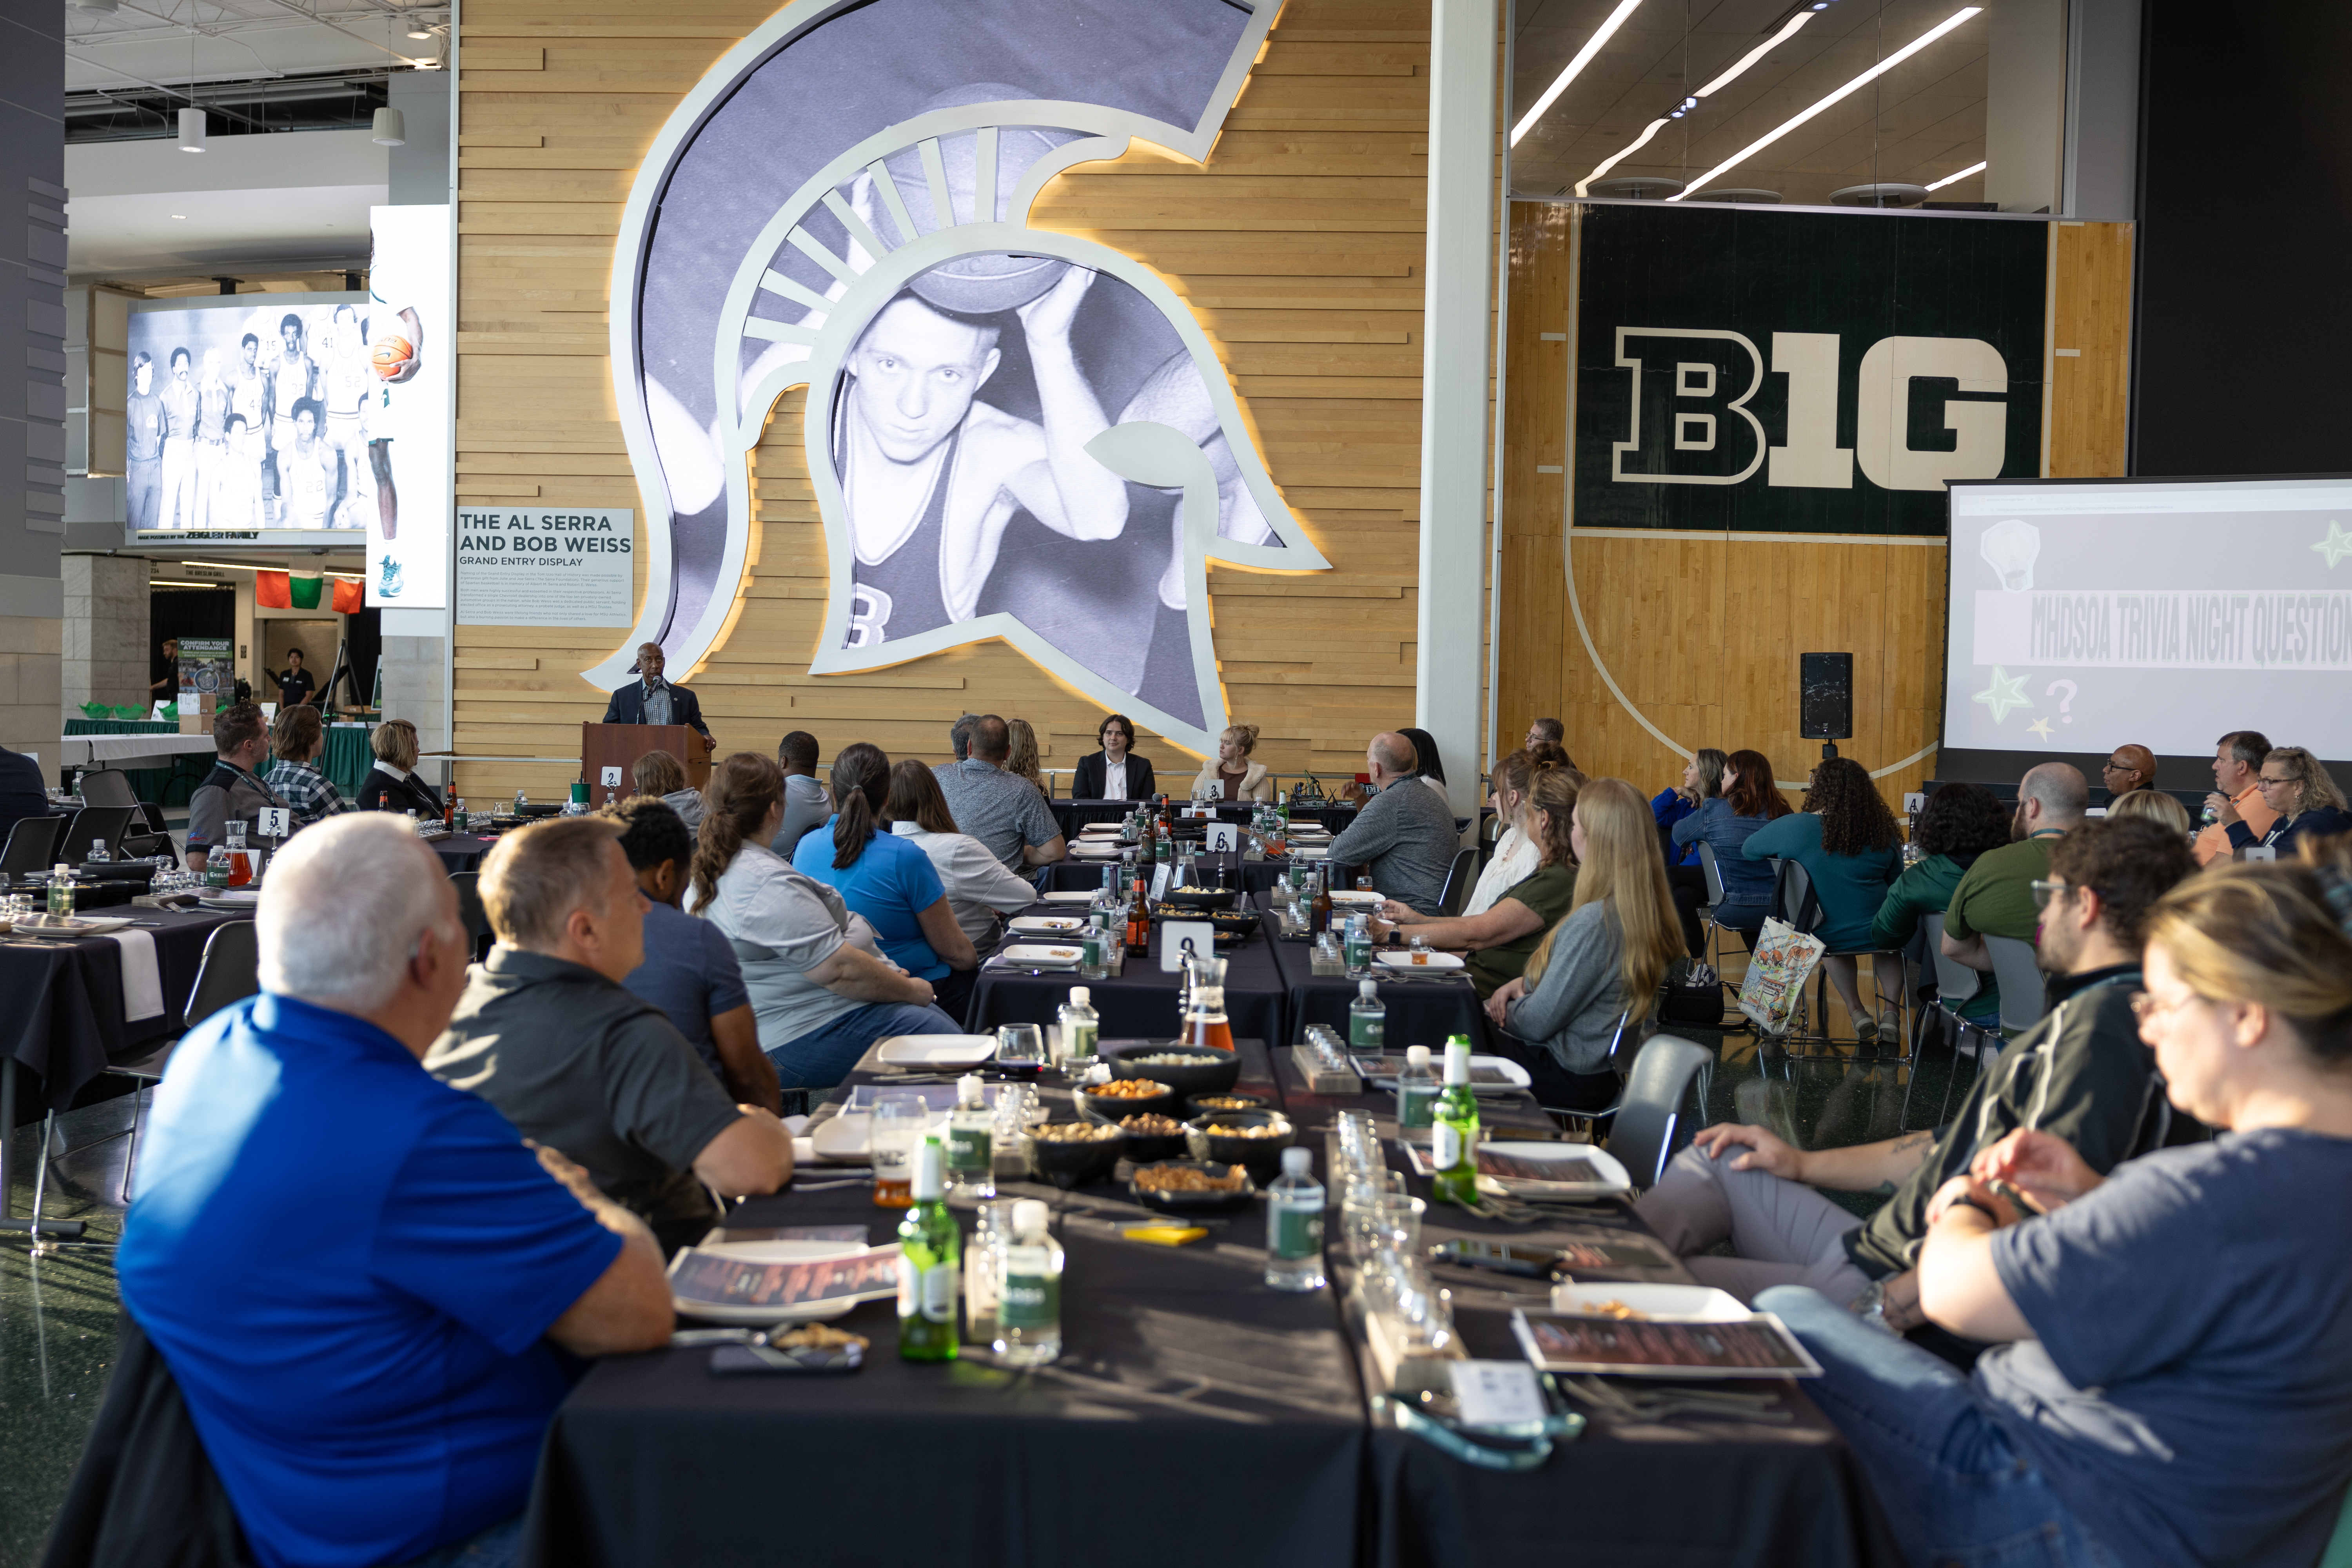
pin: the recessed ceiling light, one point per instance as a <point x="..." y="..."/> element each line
<point x="1600" y="35"/>
<point x="1737" y="69"/>
<point x="182" y="218"/>
<point x="1865" y="79"/>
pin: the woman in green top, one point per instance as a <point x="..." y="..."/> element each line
<point x="1846" y="841"/>
<point x="1500" y="940"/>
<point x="1961" y="822"/>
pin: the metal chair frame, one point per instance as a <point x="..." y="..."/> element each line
<point x="32" y="841"/>
<point x="2024" y="994"/>
<point x="1956" y="983"/>
<point x="1649" y="1108"/>
<point x="1461" y="880"/>
<point x="1794" y="900"/>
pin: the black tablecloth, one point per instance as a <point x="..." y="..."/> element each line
<point x="1141" y="1001"/>
<point x="461" y="851"/>
<point x="63" y="1020"/>
<point x="1685" y="1491"/>
<point x="1195" y="1416"/>
<point x="1421" y="1012"/>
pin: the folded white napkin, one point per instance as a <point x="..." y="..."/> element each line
<point x="142" y="983"/>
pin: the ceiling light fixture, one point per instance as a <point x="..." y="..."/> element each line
<point x="420" y="31"/>
<point x="426" y="64"/>
<point x="1856" y="85"/>
<point x="391" y="127"/>
<point x="1737" y="69"/>
<point x="173" y="583"/>
<point x="192" y="130"/>
<point x="1583" y="58"/>
<point x="1956" y="179"/>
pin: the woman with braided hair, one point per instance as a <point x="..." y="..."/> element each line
<point x="821" y="989"/>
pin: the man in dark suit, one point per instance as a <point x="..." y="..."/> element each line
<point x="22" y="792"/>
<point x="653" y="700"/>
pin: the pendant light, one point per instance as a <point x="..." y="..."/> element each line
<point x="391" y="127"/>
<point x="191" y="118"/>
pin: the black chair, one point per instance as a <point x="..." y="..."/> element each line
<point x="229" y="971"/>
<point x="469" y="888"/>
<point x="1650" y="1107"/>
<point x="1461" y="877"/>
<point x="31" y="843"/>
<point x="102" y="824"/>
<point x="111" y="786"/>
<point x="1795" y="901"/>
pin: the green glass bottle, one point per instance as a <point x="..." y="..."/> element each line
<point x="1454" y="1130"/>
<point x="931" y="1251"/>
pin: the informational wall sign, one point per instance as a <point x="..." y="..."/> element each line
<point x="546" y="567"/>
<point x="1801" y="372"/>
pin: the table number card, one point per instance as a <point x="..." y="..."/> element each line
<point x="1497" y="1393"/>
<point x="1224" y="838"/>
<point x="276" y="821"/>
<point x="1172" y="934"/>
<point x="1160" y="875"/>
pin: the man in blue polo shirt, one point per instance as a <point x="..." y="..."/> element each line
<point x="371" y="1385"/>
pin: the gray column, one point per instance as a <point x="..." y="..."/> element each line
<point x="32" y="372"/>
<point x="105" y="643"/>
<point x="1459" y="280"/>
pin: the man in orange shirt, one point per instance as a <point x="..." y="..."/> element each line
<point x="2237" y="766"/>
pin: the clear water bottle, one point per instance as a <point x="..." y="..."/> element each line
<point x="983" y="1259"/>
<point x="460" y="819"/>
<point x="521" y="800"/>
<point x="61" y="890"/>
<point x="1029" y="1290"/>
<point x="1360" y="946"/>
<point x="1416" y="1096"/>
<point x="98" y="855"/>
<point x="1081" y="1026"/>
<point x="1293" y="1225"/>
<point x="1367" y="1020"/>
<point x="1091" y="946"/>
<point x="970" y="1147"/>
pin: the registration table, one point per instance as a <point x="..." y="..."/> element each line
<point x="1140" y="1001"/>
<point x="1195" y="1416"/>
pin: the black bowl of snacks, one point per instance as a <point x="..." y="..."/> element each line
<point x="1199" y="1105"/>
<point x="1187" y="1070"/>
<point x="1198" y="898"/>
<point x="1252" y="1138"/>
<point x="1183" y="1187"/>
<point x="1072" y="1153"/>
<point x="1125" y="1097"/>
<point x="1151" y="1135"/>
<point x="1232" y="927"/>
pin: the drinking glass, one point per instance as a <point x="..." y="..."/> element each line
<point x="1020" y="1045"/>
<point x="1396" y="1221"/>
<point x="899" y="1121"/>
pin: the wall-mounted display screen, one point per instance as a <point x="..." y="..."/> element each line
<point x="2089" y="615"/>
<point x="294" y="419"/>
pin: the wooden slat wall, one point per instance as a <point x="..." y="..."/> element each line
<point x="1700" y="634"/>
<point x="1299" y="247"/>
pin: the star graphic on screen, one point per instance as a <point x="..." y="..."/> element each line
<point x="2336" y="545"/>
<point x="2007" y="692"/>
<point x="2039" y="727"/>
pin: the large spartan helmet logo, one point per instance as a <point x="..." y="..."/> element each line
<point x="1011" y="433"/>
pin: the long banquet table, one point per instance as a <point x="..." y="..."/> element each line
<point x="1194" y="1416"/>
<point x="1142" y="999"/>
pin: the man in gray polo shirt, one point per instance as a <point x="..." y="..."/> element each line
<point x="546" y="1032"/>
<point x="232" y="792"/>
<point x="1405" y="833"/>
<point x="1004" y="812"/>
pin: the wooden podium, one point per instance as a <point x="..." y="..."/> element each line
<point x="619" y="746"/>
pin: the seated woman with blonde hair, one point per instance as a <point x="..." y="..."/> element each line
<point x="1605" y="960"/>
<point x="1230" y="774"/>
<point x="1023" y="761"/>
<point x="1500" y="940"/>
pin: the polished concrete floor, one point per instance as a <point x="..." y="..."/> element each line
<point x="58" y="1310"/>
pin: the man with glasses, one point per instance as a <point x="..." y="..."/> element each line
<point x="1995" y="896"/>
<point x="2130" y="768"/>
<point x="2081" y="1074"/>
<point x="2237" y="773"/>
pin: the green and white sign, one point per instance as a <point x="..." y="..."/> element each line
<point x="1801" y="372"/>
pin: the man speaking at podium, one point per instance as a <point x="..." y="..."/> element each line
<point x="653" y="700"/>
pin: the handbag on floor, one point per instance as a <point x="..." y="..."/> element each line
<point x="1777" y="969"/>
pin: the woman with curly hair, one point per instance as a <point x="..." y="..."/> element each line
<point x="1022" y="761"/>
<point x="1846" y="841"/>
<point x="1961" y="822"/>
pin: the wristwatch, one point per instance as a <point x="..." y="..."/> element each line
<point x="1969" y="1200"/>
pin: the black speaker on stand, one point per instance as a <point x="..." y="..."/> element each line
<point x="1825" y="698"/>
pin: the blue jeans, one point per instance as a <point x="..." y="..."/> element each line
<point x="823" y="1057"/>
<point x="1953" y="1488"/>
<point x="495" y="1546"/>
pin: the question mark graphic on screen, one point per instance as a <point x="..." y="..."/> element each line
<point x="2064" y="704"/>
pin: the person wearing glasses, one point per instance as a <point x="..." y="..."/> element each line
<point x="2300" y="791"/>
<point x="2129" y="768"/>
<point x="2171" y="1380"/>
<point x="2080" y="1074"/>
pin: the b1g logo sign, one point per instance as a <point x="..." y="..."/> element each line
<point x="1805" y="373"/>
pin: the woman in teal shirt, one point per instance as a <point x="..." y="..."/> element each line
<point x="1846" y="841"/>
<point x="1961" y="822"/>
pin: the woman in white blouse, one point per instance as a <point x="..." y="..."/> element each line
<point x="979" y="888"/>
<point x="1516" y="856"/>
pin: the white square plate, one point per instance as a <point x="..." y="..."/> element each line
<point x="1613" y="1175"/>
<point x="1047" y="925"/>
<point x="1665" y="1303"/>
<point x="936" y="1051"/>
<point x="1079" y="896"/>
<point x="1362" y="898"/>
<point x="1399" y="958"/>
<point x="1032" y="954"/>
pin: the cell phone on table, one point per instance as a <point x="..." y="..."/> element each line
<point x="1544" y="1262"/>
